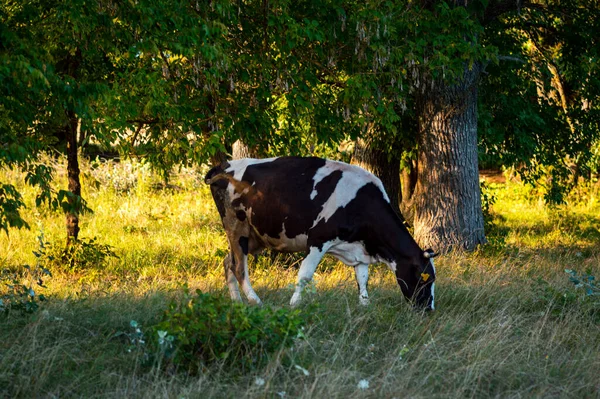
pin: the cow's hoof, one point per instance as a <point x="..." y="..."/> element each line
<point x="295" y="301"/>
<point x="254" y="300"/>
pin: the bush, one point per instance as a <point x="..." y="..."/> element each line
<point x="205" y="329"/>
<point x="488" y="199"/>
<point x="80" y="254"/>
<point x="586" y="282"/>
<point x="18" y="288"/>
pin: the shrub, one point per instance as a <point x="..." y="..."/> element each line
<point x="206" y="328"/>
<point x="587" y="282"/>
<point x="80" y="254"/>
<point x="18" y="288"/>
<point x="488" y="199"/>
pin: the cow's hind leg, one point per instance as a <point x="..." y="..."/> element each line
<point x="232" y="283"/>
<point x="307" y="270"/>
<point x="239" y="247"/>
<point x="362" y="279"/>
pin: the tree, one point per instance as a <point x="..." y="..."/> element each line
<point x="448" y="47"/>
<point x="540" y="107"/>
<point x="181" y="82"/>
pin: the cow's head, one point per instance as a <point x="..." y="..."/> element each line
<point x="417" y="280"/>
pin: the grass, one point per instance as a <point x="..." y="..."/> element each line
<point x="509" y="323"/>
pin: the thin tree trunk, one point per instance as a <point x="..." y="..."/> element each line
<point x="447" y="197"/>
<point x="72" y="214"/>
<point x="376" y="161"/>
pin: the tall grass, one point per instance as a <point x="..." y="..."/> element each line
<point x="509" y="323"/>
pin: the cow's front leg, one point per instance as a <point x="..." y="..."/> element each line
<point x="307" y="270"/>
<point x="362" y="279"/>
<point x="232" y="283"/>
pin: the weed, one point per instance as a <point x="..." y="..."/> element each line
<point x="205" y="328"/>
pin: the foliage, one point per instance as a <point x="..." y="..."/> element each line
<point x="586" y="281"/>
<point x="10" y="204"/>
<point x="538" y="105"/>
<point x="18" y="291"/>
<point x="208" y="328"/>
<point x="488" y="198"/>
<point x="79" y="255"/>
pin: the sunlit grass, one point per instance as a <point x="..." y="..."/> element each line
<point x="509" y="323"/>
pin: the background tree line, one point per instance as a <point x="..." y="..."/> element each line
<point x="425" y="89"/>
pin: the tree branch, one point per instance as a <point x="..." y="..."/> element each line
<point x="511" y="58"/>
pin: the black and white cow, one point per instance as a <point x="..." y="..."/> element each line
<point x="318" y="206"/>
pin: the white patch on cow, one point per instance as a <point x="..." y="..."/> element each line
<point x="353" y="179"/>
<point x="238" y="166"/>
<point x="351" y="253"/>
<point x="285" y="243"/>
<point x="321" y="173"/>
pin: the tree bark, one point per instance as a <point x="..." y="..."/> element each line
<point x="72" y="214"/>
<point x="447" y="199"/>
<point x="408" y="183"/>
<point x="240" y="150"/>
<point x="375" y="160"/>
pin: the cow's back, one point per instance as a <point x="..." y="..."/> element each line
<point x="290" y="197"/>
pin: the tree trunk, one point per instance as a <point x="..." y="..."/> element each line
<point x="408" y="183"/>
<point x="376" y="161"/>
<point x="72" y="214"/>
<point x="218" y="158"/>
<point x="240" y="150"/>
<point x="447" y="197"/>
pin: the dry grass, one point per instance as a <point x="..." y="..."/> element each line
<point x="509" y="323"/>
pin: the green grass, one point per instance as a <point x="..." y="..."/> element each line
<point x="509" y="323"/>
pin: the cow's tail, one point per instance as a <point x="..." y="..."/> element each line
<point x="214" y="174"/>
<point x="218" y="174"/>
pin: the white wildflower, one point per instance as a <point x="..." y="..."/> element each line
<point x="304" y="371"/>
<point x="363" y="384"/>
<point x="259" y="381"/>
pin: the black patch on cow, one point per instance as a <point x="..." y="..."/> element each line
<point x="219" y="195"/>
<point x="283" y="190"/>
<point x="237" y="202"/>
<point x="244" y="244"/>
<point x="241" y="215"/>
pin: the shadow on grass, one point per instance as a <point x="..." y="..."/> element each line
<point x="80" y="347"/>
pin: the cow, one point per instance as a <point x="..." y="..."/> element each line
<point x="316" y="206"/>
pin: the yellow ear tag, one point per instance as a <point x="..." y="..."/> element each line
<point x="425" y="276"/>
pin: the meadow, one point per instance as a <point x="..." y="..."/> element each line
<point x="509" y="321"/>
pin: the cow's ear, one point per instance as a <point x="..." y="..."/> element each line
<point x="429" y="254"/>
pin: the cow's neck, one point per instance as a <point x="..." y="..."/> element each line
<point x="394" y="242"/>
